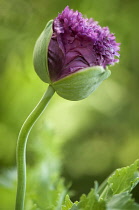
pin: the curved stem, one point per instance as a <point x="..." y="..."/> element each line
<point x="21" y="147"/>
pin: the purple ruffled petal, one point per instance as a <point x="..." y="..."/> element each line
<point x="78" y="43"/>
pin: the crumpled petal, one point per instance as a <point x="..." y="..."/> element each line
<point x="78" y="43"/>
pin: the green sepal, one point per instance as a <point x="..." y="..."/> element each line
<point x="40" y="53"/>
<point x="81" y="84"/>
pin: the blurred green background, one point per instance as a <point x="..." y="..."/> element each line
<point x="88" y="139"/>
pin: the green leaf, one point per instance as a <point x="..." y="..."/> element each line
<point x="81" y="84"/>
<point x="40" y="53"/>
<point x="75" y="207"/>
<point x="67" y="203"/>
<point x="122" y="201"/>
<point x="124" y="179"/>
<point x="91" y="202"/>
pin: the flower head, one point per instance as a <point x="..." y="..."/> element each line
<point x="79" y="43"/>
<point x="72" y="54"/>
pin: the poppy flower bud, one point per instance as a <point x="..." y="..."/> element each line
<point x="73" y="54"/>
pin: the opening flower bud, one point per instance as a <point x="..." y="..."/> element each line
<point x="73" y="54"/>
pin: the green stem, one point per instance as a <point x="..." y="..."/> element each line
<point x="21" y="147"/>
